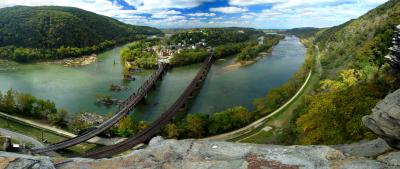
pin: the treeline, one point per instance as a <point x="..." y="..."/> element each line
<point x="124" y="128"/>
<point x="138" y="55"/>
<point x="189" y="56"/>
<point x="277" y="97"/>
<point x="245" y="50"/>
<point x="52" y="32"/>
<point x="202" y="125"/>
<point x="216" y="36"/>
<point x="35" y="54"/>
<point x="253" y="49"/>
<point x="26" y="105"/>
<point x="302" y="32"/>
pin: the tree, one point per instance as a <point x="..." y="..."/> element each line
<point x="126" y="127"/>
<point x="58" y="117"/>
<point x="142" y="125"/>
<point x="9" y="102"/>
<point x="171" y="131"/>
<point x="1" y="100"/>
<point x="25" y="103"/>
<point x="195" y="125"/>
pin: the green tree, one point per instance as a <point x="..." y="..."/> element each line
<point x="171" y="131"/>
<point x="195" y="125"/>
<point x="126" y="127"/>
<point x="142" y="125"/>
<point x="9" y="102"/>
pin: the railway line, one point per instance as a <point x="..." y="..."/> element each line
<point x="164" y="119"/>
<point x="124" y="108"/>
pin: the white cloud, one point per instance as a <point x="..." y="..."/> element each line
<point x="229" y="9"/>
<point x="165" y="14"/>
<point x="201" y="14"/>
<point x="254" y="2"/>
<point x="152" y="5"/>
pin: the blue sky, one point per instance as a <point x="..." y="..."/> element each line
<point x="269" y="14"/>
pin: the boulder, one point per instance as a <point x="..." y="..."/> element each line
<point x="385" y="119"/>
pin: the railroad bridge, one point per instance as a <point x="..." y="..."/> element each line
<point x="126" y="106"/>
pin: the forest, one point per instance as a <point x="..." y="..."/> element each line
<point x="52" y="32"/>
<point x="216" y="36"/>
<point x="139" y="55"/>
<point x="355" y="77"/>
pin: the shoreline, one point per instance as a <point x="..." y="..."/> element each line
<point x="240" y="64"/>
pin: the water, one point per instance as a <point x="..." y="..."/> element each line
<point x="75" y="89"/>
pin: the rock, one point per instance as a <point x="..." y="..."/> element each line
<point x="364" y="164"/>
<point x="193" y="154"/>
<point x="16" y="161"/>
<point x="197" y="154"/>
<point x="385" y="119"/>
<point x="372" y="148"/>
<point x="392" y="158"/>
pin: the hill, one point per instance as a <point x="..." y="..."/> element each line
<point x="216" y="36"/>
<point x="355" y="77"/>
<point x="302" y="32"/>
<point x="42" y="30"/>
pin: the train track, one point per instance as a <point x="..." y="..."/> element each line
<point x="154" y="127"/>
<point x="124" y="108"/>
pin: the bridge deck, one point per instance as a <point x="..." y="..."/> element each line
<point x="124" y="108"/>
<point x="154" y="127"/>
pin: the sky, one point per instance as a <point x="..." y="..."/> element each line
<point x="262" y="14"/>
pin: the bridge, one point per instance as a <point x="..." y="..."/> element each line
<point x="164" y="119"/>
<point x="123" y="109"/>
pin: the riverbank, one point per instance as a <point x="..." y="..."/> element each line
<point x="239" y="64"/>
<point x="259" y="125"/>
<point x="282" y="118"/>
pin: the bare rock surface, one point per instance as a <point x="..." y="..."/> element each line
<point x="385" y="119"/>
<point x="197" y="154"/>
<point x="369" y="149"/>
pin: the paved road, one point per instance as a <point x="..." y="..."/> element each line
<point x="55" y="130"/>
<point x="258" y="123"/>
<point x="21" y="138"/>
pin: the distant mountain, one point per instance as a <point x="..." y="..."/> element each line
<point x="360" y="41"/>
<point x="216" y="36"/>
<point x="51" y="27"/>
<point x="302" y="32"/>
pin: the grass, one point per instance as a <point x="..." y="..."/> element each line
<point x="39" y="134"/>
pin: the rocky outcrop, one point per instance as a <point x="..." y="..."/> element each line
<point x="385" y="119"/>
<point x="394" y="55"/>
<point x="196" y="154"/>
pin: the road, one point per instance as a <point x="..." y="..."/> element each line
<point x="60" y="132"/>
<point x="257" y="124"/>
<point x="23" y="139"/>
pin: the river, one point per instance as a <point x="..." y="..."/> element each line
<point x="75" y="88"/>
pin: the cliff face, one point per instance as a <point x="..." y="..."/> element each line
<point x="385" y="119"/>
<point x="193" y="154"/>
